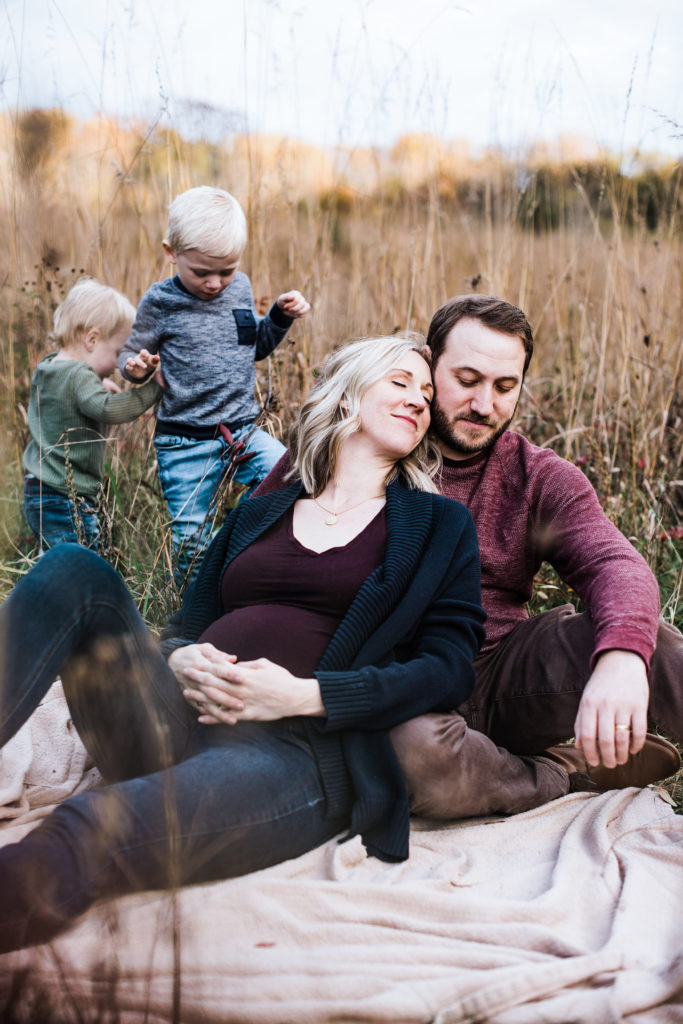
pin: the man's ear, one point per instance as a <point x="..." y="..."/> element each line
<point x="92" y="337"/>
<point x="170" y="255"/>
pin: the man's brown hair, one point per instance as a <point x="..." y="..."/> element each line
<point x="495" y="313"/>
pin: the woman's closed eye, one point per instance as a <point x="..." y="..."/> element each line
<point x="426" y="395"/>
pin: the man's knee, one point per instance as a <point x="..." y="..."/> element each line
<point x="428" y="749"/>
<point x="666" y="681"/>
<point x="669" y="644"/>
<point x="427" y="744"/>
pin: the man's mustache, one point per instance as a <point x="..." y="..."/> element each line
<point x="474" y="417"/>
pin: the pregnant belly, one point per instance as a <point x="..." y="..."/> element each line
<point x="292" y="637"/>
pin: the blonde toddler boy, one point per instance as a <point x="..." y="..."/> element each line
<point x="70" y="408"/>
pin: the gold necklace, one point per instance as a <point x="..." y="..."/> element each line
<point x="333" y="517"/>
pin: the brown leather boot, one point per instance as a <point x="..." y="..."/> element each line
<point x="657" y="760"/>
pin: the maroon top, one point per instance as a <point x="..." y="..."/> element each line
<point x="284" y="602"/>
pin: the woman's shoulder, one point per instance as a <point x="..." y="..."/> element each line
<point x="430" y="499"/>
<point x="447" y="512"/>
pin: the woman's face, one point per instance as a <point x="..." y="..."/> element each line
<point x="394" y="411"/>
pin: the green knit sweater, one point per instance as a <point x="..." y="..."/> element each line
<point x="69" y="411"/>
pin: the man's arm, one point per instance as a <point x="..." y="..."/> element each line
<point x="621" y="596"/>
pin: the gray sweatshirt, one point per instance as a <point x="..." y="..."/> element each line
<point x="208" y="350"/>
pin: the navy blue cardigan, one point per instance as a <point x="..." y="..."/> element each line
<point x="405" y="646"/>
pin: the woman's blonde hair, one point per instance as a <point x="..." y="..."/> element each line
<point x="90" y="305"/>
<point x="331" y="412"/>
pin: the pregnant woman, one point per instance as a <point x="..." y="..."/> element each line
<point x="322" y="615"/>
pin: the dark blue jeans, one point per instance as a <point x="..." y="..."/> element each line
<point x="56" y="519"/>
<point x="184" y="803"/>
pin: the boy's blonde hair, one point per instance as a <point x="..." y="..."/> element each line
<point x="90" y="305"/>
<point x="331" y="412"/>
<point x="208" y="219"/>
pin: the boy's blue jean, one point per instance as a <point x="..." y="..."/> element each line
<point x="191" y="472"/>
<point x="185" y="803"/>
<point x="52" y="516"/>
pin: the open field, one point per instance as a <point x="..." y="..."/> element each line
<point x="376" y="241"/>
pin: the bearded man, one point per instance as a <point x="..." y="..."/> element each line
<point x="541" y="680"/>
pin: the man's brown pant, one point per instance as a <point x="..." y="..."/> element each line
<point x="484" y="758"/>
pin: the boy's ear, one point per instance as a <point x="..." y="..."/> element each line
<point x="170" y="255"/>
<point x="92" y="337"/>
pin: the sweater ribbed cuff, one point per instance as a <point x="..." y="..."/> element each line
<point x="171" y="644"/>
<point x="632" y="644"/>
<point x="346" y="699"/>
<point x="279" y="317"/>
<point x="138" y="380"/>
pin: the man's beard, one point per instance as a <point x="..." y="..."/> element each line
<point x="442" y="428"/>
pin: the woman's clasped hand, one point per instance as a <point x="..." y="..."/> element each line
<point x="226" y="691"/>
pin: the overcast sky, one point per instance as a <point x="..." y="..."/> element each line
<point x="360" y="71"/>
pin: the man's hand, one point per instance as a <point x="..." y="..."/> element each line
<point x="617" y="693"/>
<point x="140" y="366"/>
<point x="293" y="304"/>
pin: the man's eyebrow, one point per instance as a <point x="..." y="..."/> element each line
<point x="478" y="373"/>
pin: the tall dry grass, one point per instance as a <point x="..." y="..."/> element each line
<point x="377" y="241"/>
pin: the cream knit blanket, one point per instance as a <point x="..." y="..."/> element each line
<point x="572" y="912"/>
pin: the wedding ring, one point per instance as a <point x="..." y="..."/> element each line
<point x="623" y="728"/>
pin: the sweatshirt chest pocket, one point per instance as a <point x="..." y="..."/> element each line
<point x="246" y="326"/>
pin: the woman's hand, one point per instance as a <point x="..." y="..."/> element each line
<point x="198" y="664"/>
<point x="229" y="691"/>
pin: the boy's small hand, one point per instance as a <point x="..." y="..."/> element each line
<point x="111" y="386"/>
<point x="293" y="304"/>
<point x="140" y="366"/>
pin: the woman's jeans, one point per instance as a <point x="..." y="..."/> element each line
<point x="185" y="803"/>
<point x="191" y="473"/>
<point x="56" y="519"/>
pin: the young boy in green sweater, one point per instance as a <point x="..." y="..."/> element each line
<point x="70" y="408"/>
